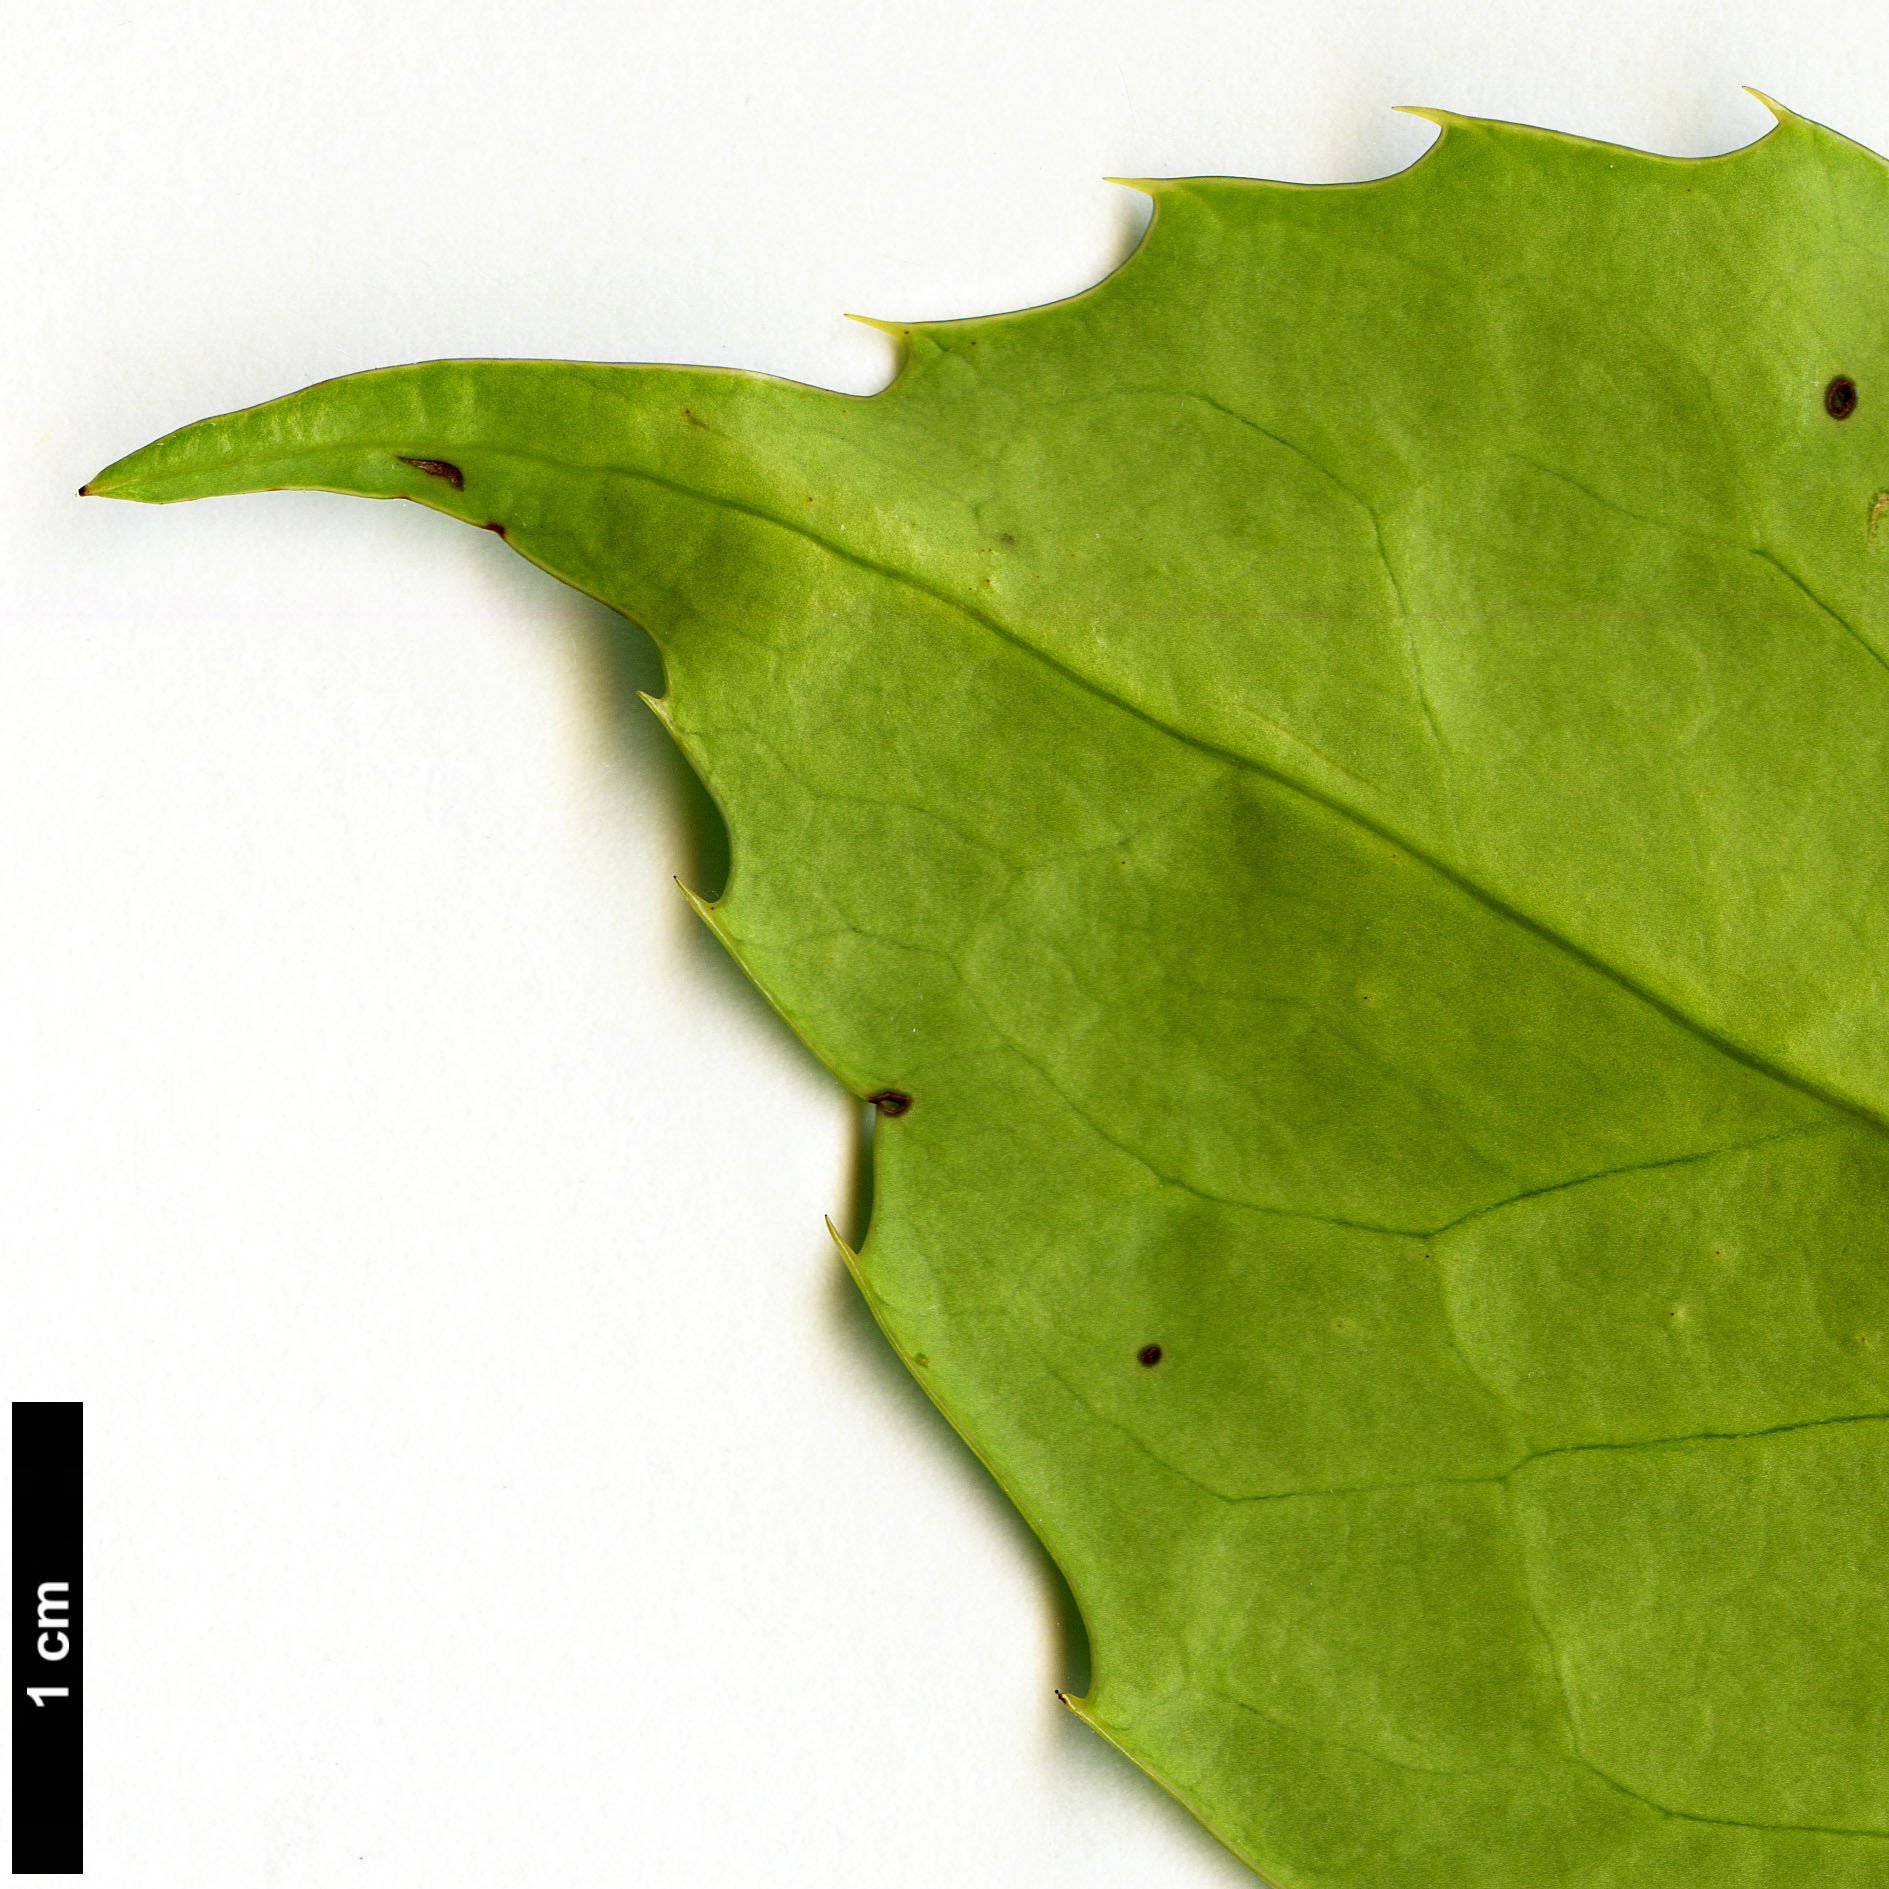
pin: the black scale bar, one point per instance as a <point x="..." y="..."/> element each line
<point x="48" y="1620"/>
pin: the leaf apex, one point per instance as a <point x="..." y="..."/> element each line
<point x="103" y="485"/>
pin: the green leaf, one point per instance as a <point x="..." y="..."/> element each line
<point x="1334" y="787"/>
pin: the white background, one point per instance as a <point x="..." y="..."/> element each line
<point x="493" y="1478"/>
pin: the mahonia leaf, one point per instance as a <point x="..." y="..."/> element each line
<point x="1332" y="788"/>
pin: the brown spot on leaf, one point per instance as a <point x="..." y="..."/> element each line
<point x="890" y="1101"/>
<point x="1839" y="398"/>
<point x="692" y="420"/>
<point x="437" y="469"/>
<point x="489" y="526"/>
<point x="1148" y="1356"/>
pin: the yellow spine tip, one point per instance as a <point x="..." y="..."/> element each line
<point x="701" y="907"/>
<point x="898" y="330"/>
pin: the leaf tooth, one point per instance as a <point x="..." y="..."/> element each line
<point x="898" y="330"/>
<point x="705" y="911"/>
<point x="1782" y="113"/>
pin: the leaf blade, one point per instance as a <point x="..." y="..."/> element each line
<point x="1367" y="1123"/>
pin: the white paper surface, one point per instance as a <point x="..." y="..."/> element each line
<point x="493" y="1478"/>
